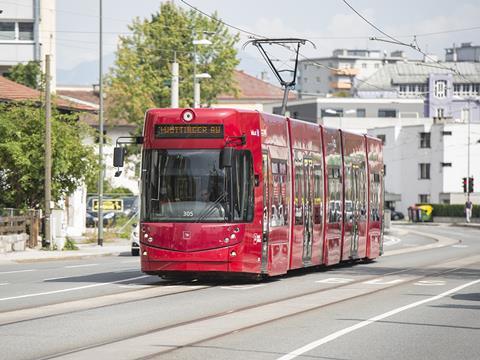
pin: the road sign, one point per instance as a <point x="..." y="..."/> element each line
<point x="108" y="205"/>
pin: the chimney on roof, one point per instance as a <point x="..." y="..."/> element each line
<point x="264" y="76"/>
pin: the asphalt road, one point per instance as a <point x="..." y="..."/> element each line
<point x="418" y="301"/>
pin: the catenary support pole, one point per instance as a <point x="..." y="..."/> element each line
<point x="100" y="138"/>
<point x="48" y="154"/>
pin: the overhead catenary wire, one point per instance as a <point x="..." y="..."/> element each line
<point x="413" y="45"/>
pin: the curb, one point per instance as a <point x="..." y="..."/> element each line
<point x="440" y="241"/>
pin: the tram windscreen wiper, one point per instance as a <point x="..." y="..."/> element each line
<point x="211" y="207"/>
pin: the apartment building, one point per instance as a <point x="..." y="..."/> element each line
<point x="27" y="33"/>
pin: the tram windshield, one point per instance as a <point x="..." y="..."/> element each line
<point x="189" y="186"/>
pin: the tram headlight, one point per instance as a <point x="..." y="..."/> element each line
<point x="188" y="115"/>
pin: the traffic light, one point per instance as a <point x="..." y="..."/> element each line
<point x="464" y="182"/>
<point x="470" y="185"/>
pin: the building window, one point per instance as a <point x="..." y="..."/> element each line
<point x="318" y="78"/>
<point x="364" y="66"/>
<point x="424" y="140"/>
<point x="440" y="112"/>
<point x="424" y="170"/>
<point x="457" y="88"/>
<point x="361" y="113"/>
<point x="440" y="89"/>
<point x="384" y="170"/>
<point x="305" y="80"/>
<point x="25" y="31"/>
<point x="388" y="113"/>
<point x="7" y="30"/>
<point x="377" y="66"/>
<point x="403" y="89"/>
<point x="383" y="138"/>
<point x="424" y="198"/>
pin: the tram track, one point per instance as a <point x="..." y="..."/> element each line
<point x="76" y="306"/>
<point x="169" y="331"/>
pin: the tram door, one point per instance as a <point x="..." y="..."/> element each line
<point x="266" y="213"/>
<point x="356" y="206"/>
<point x="308" y="199"/>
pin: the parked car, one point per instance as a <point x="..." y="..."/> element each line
<point x="91" y="218"/>
<point x="396" y="215"/>
<point x="134" y="242"/>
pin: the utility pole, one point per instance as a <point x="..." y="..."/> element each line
<point x="48" y="153"/>
<point x="100" y="142"/>
<point x="174" y="88"/>
<point x="468" y="149"/>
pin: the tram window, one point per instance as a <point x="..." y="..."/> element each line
<point x="243" y="186"/>
<point x="334" y="194"/>
<point x="375" y="197"/>
<point x="279" y="207"/>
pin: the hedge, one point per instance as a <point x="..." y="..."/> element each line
<point x="453" y="210"/>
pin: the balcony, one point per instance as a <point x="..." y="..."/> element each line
<point x="345" y="72"/>
<point x="339" y="85"/>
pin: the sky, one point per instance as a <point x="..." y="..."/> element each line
<point x="329" y="24"/>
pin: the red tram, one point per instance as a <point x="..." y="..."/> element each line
<point x="234" y="191"/>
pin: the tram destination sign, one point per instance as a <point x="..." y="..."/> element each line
<point x="189" y="131"/>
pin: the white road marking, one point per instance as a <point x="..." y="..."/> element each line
<point x="57" y="278"/>
<point x="1" y="284"/>
<point x="72" y="289"/>
<point x="430" y="283"/>
<point x="383" y="282"/>
<point x="241" y="287"/>
<point x="17" y="271"/>
<point x="79" y="266"/>
<point x="334" y="281"/>
<point x="460" y="246"/>
<point x="372" y="320"/>
<point x="391" y="240"/>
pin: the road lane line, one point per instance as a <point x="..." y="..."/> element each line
<point x="79" y="266"/>
<point x="372" y="320"/>
<point x="58" y="278"/>
<point x="72" y="289"/>
<point x="1" y="284"/>
<point x="16" y="271"/>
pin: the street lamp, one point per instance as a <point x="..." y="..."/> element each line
<point x="340" y="114"/>
<point x="196" y="93"/>
<point x="196" y="89"/>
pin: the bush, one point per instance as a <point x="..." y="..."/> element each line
<point x="70" y="245"/>
<point x="453" y="210"/>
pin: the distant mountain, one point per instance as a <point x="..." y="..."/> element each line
<point x="86" y="73"/>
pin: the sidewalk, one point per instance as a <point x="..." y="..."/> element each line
<point x="111" y="248"/>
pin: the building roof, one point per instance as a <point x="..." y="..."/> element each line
<point x="11" y="91"/>
<point x="251" y="88"/>
<point x="418" y="73"/>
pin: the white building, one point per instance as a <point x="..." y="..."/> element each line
<point x="316" y="109"/>
<point x="341" y="71"/>
<point x="27" y="33"/>
<point x="426" y="163"/>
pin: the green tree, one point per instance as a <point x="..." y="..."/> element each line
<point x="141" y="76"/>
<point x="29" y="74"/>
<point x="22" y="170"/>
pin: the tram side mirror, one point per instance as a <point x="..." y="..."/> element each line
<point x="118" y="156"/>
<point x="226" y="157"/>
<point x="257" y="180"/>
